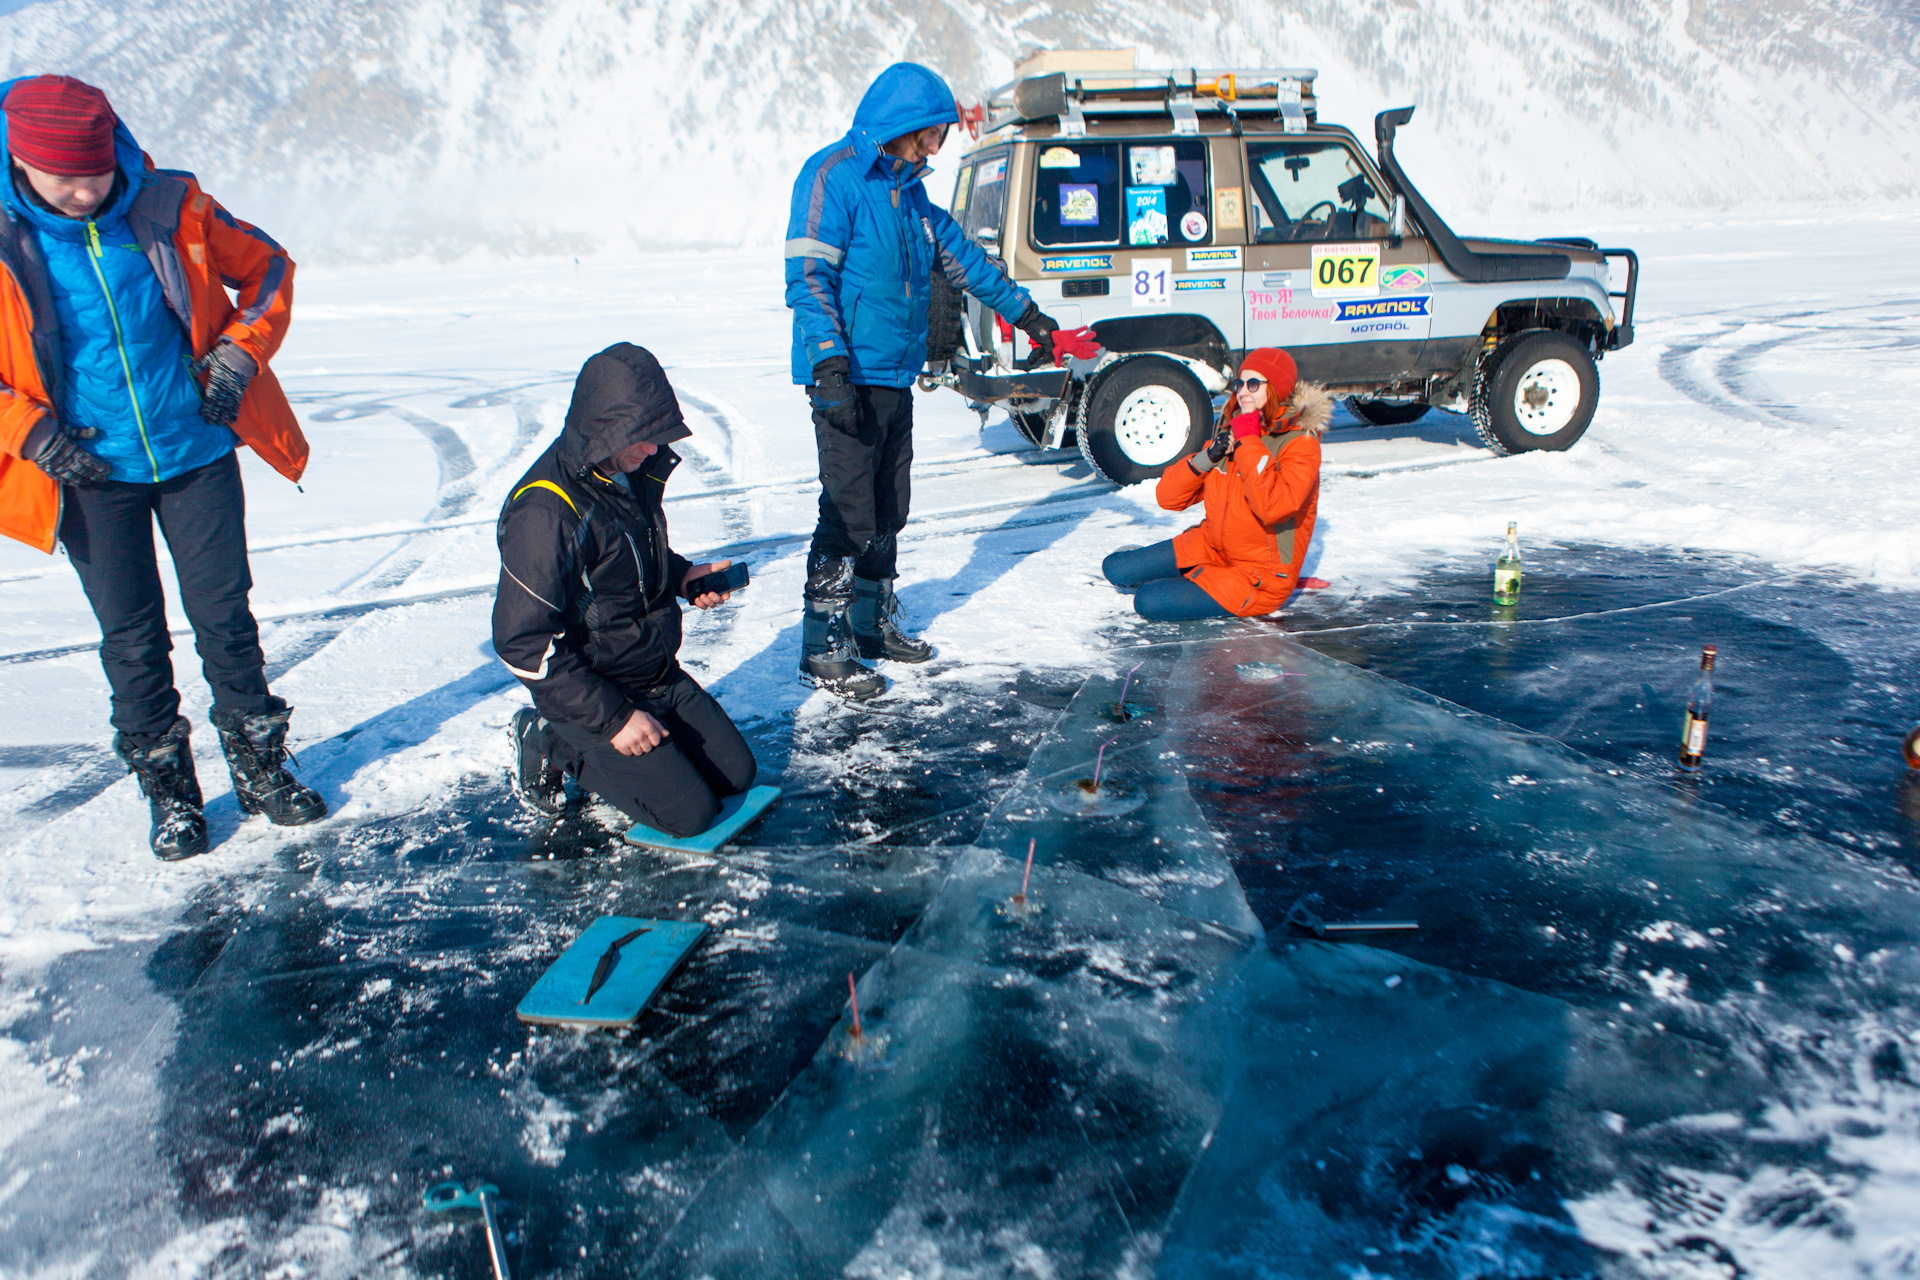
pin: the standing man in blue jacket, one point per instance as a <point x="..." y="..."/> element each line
<point x="863" y="241"/>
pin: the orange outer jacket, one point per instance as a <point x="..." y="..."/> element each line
<point x="1260" y="505"/>
<point x="197" y="249"/>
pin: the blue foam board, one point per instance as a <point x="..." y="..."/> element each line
<point x="735" y="813"/>
<point x="643" y="966"/>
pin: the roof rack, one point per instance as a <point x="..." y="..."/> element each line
<point x="1072" y="96"/>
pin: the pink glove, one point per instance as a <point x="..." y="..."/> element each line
<point x="1077" y="343"/>
<point x="1246" y="426"/>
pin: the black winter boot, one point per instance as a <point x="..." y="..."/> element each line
<point x="875" y="618"/>
<point x="164" y="767"/>
<point x="256" y="747"/>
<point x="826" y="655"/>
<point x="540" y="782"/>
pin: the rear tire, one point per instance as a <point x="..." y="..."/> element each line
<point x="1142" y="415"/>
<point x="1537" y="390"/>
<point x="1384" y="413"/>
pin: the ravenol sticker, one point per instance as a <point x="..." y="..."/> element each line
<point x="1079" y="262"/>
<point x="1381" y="309"/>
<point x="1197" y="286"/>
<point x="1200" y="259"/>
<point x="1403" y="279"/>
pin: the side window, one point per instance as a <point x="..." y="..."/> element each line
<point x="1167" y="196"/>
<point x="1312" y="191"/>
<point x="1076" y="193"/>
<point x="987" y="208"/>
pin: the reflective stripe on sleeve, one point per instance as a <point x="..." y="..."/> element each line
<point x="808" y="248"/>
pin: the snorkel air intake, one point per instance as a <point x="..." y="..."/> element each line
<point x="1478" y="268"/>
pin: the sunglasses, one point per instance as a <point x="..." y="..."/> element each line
<point x="1249" y="384"/>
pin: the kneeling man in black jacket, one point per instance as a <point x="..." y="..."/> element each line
<point x="586" y="613"/>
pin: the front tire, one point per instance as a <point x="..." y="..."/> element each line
<point x="1537" y="390"/>
<point x="1144" y="414"/>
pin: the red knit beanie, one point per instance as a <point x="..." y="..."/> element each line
<point x="1277" y="367"/>
<point x="61" y="126"/>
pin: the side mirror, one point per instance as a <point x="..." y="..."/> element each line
<point x="1398" y="231"/>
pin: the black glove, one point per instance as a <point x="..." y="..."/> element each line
<point x="227" y="370"/>
<point x="1221" y="445"/>
<point x="833" y="396"/>
<point x="66" y="462"/>
<point x="1039" y="327"/>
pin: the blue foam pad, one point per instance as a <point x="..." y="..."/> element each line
<point x="735" y="812"/>
<point x="640" y="969"/>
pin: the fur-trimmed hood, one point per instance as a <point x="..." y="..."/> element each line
<point x="1309" y="409"/>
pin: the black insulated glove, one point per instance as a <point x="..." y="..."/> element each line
<point x="833" y="397"/>
<point x="1039" y="327"/>
<point x="62" y="458"/>
<point x="227" y="370"/>
<point x="1221" y="445"/>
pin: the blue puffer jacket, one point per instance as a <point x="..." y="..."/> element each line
<point x="863" y="242"/>
<point x="128" y="388"/>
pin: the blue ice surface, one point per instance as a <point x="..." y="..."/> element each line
<point x="1620" y="991"/>
<point x="736" y="811"/>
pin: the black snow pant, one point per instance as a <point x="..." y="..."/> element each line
<point x="107" y="529"/>
<point x="864" y="482"/>
<point x="676" y="787"/>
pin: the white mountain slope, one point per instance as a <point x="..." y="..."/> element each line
<point x="385" y="128"/>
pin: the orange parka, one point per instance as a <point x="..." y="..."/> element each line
<point x="1260" y="507"/>
<point x="198" y="250"/>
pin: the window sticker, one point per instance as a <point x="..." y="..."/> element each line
<point x="1146" y="214"/>
<point x="1150" y="277"/>
<point x="1229" y="214"/>
<point x="1152" y="166"/>
<point x="1079" y="204"/>
<point x="994" y="170"/>
<point x="960" y="191"/>
<point x="1194" y="225"/>
<point x="1059" y="158"/>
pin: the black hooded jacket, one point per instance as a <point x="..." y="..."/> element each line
<point x="586" y="613"/>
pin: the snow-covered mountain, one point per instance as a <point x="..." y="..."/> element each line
<point x="385" y="128"/>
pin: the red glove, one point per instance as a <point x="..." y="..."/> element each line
<point x="1246" y="426"/>
<point x="1077" y="343"/>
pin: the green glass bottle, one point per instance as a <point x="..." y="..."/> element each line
<point x="1506" y="570"/>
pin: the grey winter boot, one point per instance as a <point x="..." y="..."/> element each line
<point x="875" y="618"/>
<point x="826" y="655"/>
<point x="256" y="747"/>
<point x="164" y="767"/>
<point x="540" y="782"/>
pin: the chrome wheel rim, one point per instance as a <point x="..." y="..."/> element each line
<point x="1152" y="425"/>
<point x="1547" y="398"/>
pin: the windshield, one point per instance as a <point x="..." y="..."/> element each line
<point x="1312" y="191"/>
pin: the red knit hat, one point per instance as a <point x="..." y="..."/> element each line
<point x="61" y="126"/>
<point x="1277" y="367"/>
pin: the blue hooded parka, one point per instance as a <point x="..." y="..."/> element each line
<point x="863" y="241"/>
<point x="128" y="390"/>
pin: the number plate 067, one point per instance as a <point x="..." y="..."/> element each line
<point x="1346" y="270"/>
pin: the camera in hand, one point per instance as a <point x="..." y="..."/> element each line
<point x="731" y="578"/>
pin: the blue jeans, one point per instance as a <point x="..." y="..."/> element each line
<point x="1163" y="595"/>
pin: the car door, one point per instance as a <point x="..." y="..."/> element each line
<point x="1322" y="279"/>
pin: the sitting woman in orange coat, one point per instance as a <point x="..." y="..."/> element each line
<point x="1260" y="480"/>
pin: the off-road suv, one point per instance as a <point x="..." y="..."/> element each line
<point x="1191" y="215"/>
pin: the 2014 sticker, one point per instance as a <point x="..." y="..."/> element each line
<point x="1346" y="270"/>
<point x="1403" y="279"/>
<point x="1146" y="215"/>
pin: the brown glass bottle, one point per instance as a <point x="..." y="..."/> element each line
<point x="1911" y="748"/>
<point x="1693" y="734"/>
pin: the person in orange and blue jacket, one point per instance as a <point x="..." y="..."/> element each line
<point x="1259" y="478"/>
<point x="127" y="377"/>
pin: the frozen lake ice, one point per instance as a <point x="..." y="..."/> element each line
<point x="1648" y="1026"/>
